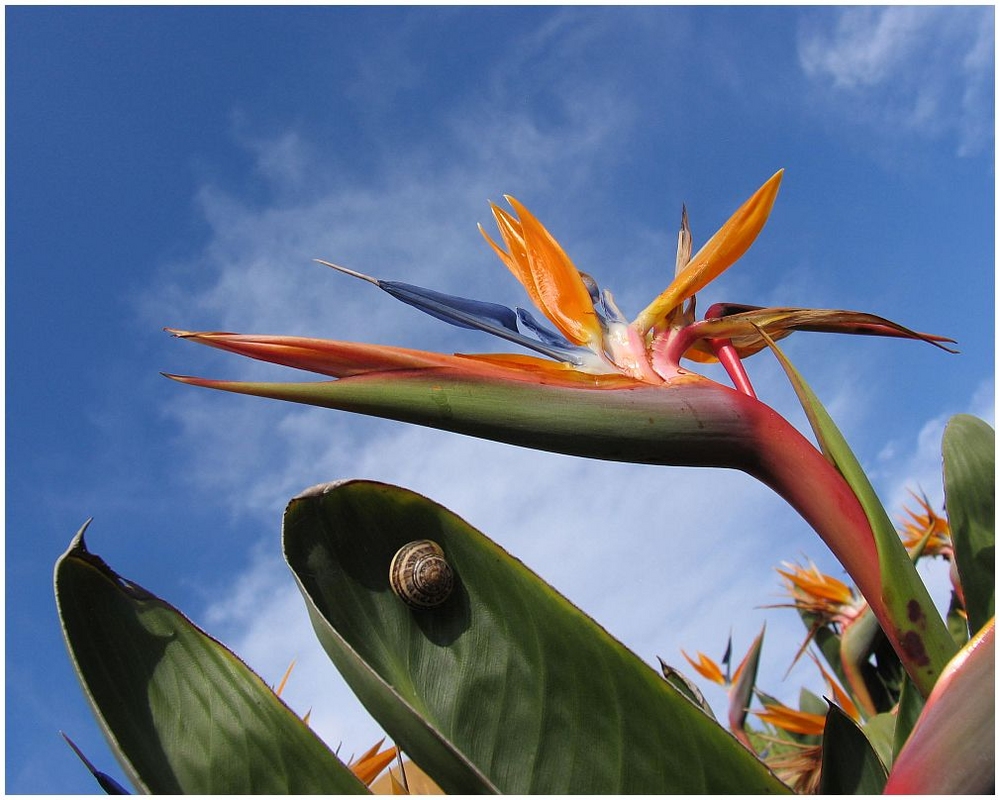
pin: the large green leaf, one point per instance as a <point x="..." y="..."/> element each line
<point x="182" y="714"/>
<point x="969" y="451"/>
<point x="506" y="686"/>
<point x="879" y="731"/>
<point x="850" y="763"/>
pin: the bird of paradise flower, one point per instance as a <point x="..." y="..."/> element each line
<point x="608" y="388"/>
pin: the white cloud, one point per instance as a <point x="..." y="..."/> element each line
<point x="924" y="69"/>
<point x="262" y="618"/>
<point x="867" y="47"/>
<point x="917" y="465"/>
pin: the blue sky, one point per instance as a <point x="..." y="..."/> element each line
<point x="181" y="167"/>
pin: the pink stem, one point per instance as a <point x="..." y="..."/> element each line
<point x="787" y="462"/>
<point x="730" y="360"/>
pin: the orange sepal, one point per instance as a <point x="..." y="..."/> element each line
<point x="368" y="766"/>
<point x="351" y="359"/>
<point x="323" y="356"/>
<point x="813" y="584"/>
<point x="716" y="256"/>
<point x="707" y="668"/>
<point x="842" y="698"/>
<point x="791" y="720"/>
<point x="553" y="372"/>
<point x="548" y="275"/>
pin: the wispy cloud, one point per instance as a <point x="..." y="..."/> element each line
<point x="927" y="70"/>
<point x="917" y="465"/>
<point x="262" y="618"/>
<point x="414" y="222"/>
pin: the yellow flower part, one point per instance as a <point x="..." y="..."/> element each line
<point x="823" y="595"/>
<point x="797" y="765"/>
<point x="547" y="274"/>
<point x="792" y="720"/>
<point x="369" y="765"/>
<point x="284" y="679"/>
<point x="926" y="532"/>
<point x="719" y="253"/>
<point x="707" y="668"/>
<point x="405" y="778"/>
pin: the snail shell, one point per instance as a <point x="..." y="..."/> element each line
<point x="419" y="574"/>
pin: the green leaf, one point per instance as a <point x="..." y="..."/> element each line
<point x="958" y="625"/>
<point x="812" y="703"/>
<point x="904" y="608"/>
<point x="828" y="644"/>
<point x="879" y="731"/>
<point x="857" y="643"/>
<point x="910" y="706"/>
<point x="685" y="686"/>
<point x="182" y="714"/>
<point x="969" y="452"/>
<point x="850" y="763"/>
<point x="506" y="686"/>
<point x="741" y="693"/>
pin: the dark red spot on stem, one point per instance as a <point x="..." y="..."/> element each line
<point x="913" y="646"/>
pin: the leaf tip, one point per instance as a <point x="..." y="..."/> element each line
<point x="78" y="544"/>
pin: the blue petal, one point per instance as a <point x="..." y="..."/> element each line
<point x="478" y="315"/>
<point x="546" y="335"/>
<point x="592" y="287"/>
<point x="611" y="311"/>
<point x="458" y="311"/>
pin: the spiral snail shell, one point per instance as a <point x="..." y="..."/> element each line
<point x="419" y="574"/>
